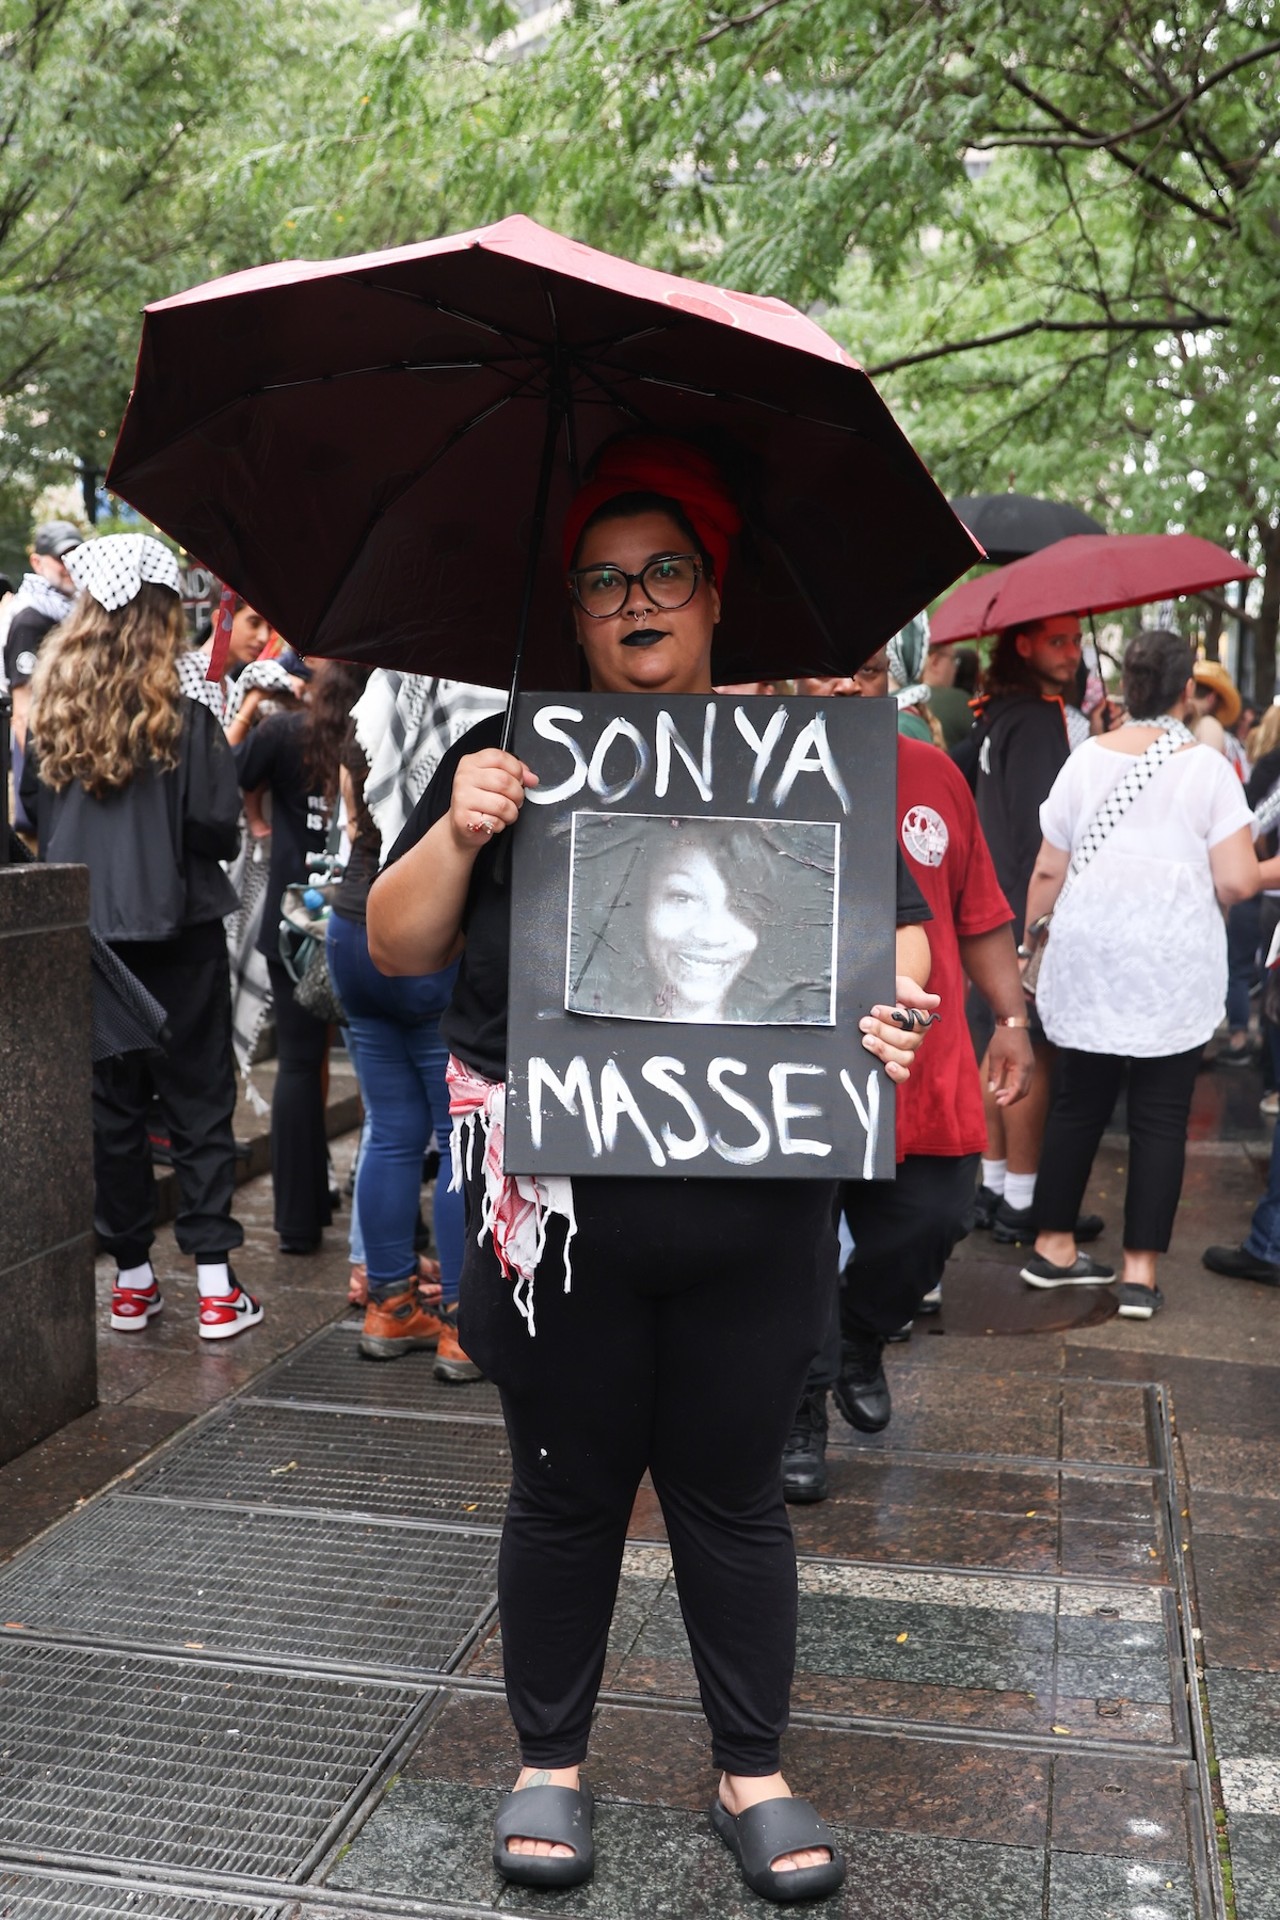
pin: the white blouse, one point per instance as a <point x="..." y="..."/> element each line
<point x="1137" y="957"/>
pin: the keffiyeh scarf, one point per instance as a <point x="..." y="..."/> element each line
<point x="515" y="1208"/>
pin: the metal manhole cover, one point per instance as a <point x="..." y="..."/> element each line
<point x="446" y="1470"/>
<point x="988" y="1296"/>
<point x="174" y="1764"/>
<point x="127" y="1570"/>
<point x="331" y="1369"/>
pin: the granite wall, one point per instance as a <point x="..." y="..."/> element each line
<point x="48" y="1350"/>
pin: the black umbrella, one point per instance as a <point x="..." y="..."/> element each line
<point x="368" y="450"/>
<point x="1011" y="525"/>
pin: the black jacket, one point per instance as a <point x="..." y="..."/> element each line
<point x="1021" y="745"/>
<point x="152" y="847"/>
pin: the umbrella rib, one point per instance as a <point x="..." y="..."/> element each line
<point x="387" y="366"/>
<point x="456" y="313"/>
<point x="722" y="394"/>
<point x="321" y="379"/>
<point x="447" y="446"/>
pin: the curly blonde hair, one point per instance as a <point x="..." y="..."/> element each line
<point x="105" y="695"/>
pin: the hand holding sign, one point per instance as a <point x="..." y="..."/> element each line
<point x="488" y="793"/>
<point x="887" y="1039"/>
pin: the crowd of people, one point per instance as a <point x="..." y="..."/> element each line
<point x="1079" y="891"/>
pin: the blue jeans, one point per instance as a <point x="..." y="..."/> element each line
<point x="1244" y="932"/>
<point x="1264" y="1235"/>
<point x="400" y="1061"/>
<point x="355" y="1239"/>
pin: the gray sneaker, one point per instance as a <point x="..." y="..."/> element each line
<point x="1083" y="1272"/>
<point x="1138" y="1303"/>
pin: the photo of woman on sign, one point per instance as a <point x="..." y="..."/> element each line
<point x="710" y="920"/>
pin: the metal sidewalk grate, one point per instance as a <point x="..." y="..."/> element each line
<point x="454" y="1471"/>
<point x="175" y="1764"/>
<point x="25" y="1896"/>
<point x="330" y="1369"/>
<point x="260" y="1583"/>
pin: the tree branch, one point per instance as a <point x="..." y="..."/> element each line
<point x="740" y="20"/>
<point x="1091" y="142"/>
<point x="1221" y="604"/>
<point x="1140" y="168"/>
<point x="1047" y="326"/>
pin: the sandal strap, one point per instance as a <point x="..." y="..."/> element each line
<point x="559" y="1815"/>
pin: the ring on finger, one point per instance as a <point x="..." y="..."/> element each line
<point x="481" y="824"/>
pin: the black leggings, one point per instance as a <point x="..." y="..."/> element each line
<point x="694" y="1311"/>
<point x="299" y="1144"/>
<point x="1158" y="1101"/>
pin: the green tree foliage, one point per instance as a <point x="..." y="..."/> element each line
<point x="121" y="126"/>
<point x="1052" y="231"/>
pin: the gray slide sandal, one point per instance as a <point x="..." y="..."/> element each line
<point x="560" y="1815"/>
<point x="763" y="1833"/>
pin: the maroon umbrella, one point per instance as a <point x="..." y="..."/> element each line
<point x="1086" y="573"/>
<point x="367" y="450"/>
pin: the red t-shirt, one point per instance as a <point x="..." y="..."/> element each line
<point x="940" y="1107"/>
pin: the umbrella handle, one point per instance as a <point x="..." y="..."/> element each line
<point x="557" y="411"/>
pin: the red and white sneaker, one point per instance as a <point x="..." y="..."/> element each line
<point x="223" y="1315"/>
<point x="131" y="1310"/>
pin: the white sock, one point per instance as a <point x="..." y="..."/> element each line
<point x="1019" y="1190"/>
<point x="993" y="1175"/>
<point x="137" y="1279"/>
<point x="215" y="1278"/>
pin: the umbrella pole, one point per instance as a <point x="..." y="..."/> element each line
<point x="557" y="408"/>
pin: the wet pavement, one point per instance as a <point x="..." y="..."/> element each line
<point x="249" y="1663"/>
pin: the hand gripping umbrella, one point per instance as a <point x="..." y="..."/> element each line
<point x="1085" y="573"/>
<point x="369" y="449"/>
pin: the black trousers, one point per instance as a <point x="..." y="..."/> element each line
<point x="299" y="1151"/>
<point x="1158" y="1100"/>
<point x="195" y="1082"/>
<point x="904" y="1231"/>
<point x="694" y="1311"/>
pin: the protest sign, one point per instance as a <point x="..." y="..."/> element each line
<point x="703" y="907"/>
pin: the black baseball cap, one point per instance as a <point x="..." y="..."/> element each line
<point x="57" y="537"/>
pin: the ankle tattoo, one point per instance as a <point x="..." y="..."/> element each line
<point x="540" y="1779"/>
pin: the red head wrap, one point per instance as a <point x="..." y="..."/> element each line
<point x="655" y="463"/>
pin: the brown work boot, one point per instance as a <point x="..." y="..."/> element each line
<point x="452" y="1363"/>
<point x="398" y="1322"/>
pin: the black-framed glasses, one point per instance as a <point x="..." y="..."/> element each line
<point x="669" y="581"/>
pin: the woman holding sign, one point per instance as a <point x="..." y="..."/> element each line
<point x="629" y="1329"/>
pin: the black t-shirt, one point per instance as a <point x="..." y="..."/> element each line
<point x="272" y="757"/>
<point x="1021" y="748"/>
<point x="27" y="629"/>
<point x="474" y="1025"/>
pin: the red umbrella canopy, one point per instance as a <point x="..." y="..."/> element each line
<point x="356" y="446"/>
<point x="1085" y="573"/>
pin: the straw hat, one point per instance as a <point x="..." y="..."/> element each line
<point x="1212" y="674"/>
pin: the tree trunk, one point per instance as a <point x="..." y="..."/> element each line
<point x="1213" y="619"/>
<point x="1265" y="632"/>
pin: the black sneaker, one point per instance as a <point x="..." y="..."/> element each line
<point x="1138" y="1303"/>
<point x="931" y="1304"/>
<point x="1017" y="1226"/>
<point x="1083" y="1272"/>
<point x="984" y="1208"/>
<point x="862" y="1392"/>
<point x="1240" y="1264"/>
<point x="804" y="1457"/>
